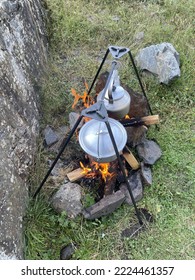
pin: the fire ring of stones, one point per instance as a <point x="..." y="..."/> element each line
<point x="75" y="169"/>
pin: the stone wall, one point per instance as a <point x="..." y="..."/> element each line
<point x="22" y="58"/>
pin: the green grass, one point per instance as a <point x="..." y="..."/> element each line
<point x="80" y="32"/>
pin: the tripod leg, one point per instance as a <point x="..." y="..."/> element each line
<point x="140" y="82"/>
<point x="123" y="171"/>
<point x="58" y="156"/>
<point x="98" y="71"/>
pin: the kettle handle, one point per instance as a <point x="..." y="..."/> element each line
<point x="110" y="88"/>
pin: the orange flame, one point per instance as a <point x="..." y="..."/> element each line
<point x="86" y="170"/>
<point x="85" y="98"/>
<point x="102" y="168"/>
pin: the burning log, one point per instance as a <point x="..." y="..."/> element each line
<point x="92" y="170"/>
<point x="106" y="171"/>
<point x="133" y="122"/>
<point x="110" y="181"/>
<point x="75" y="175"/>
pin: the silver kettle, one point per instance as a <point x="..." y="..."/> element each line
<point x="117" y="99"/>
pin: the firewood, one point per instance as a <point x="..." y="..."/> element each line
<point x="75" y="175"/>
<point x="148" y="120"/>
<point x="111" y="180"/>
<point x="131" y="160"/>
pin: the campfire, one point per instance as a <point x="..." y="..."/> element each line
<point x="115" y="122"/>
<point x="108" y="172"/>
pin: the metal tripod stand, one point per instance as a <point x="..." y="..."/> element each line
<point x="98" y="112"/>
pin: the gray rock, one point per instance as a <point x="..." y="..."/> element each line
<point x="62" y="131"/>
<point x="105" y="206"/>
<point x="161" y="60"/>
<point x="61" y="134"/>
<point x="146" y="174"/>
<point x="149" y="151"/>
<point x="68" y="199"/>
<point x="136" y="135"/>
<point x="23" y="54"/>
<point x="58" y="166"/>
<point x="67" y="252"/>
<point x="73" y="117"/>
<point x="50" y="136"/>
<point x="136" y="188"/>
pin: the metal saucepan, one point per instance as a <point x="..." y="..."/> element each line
<point x="95" y="140"/>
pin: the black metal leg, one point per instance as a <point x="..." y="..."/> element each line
<point x="123" y="171"/>
<point x="58" y="156"/>
<point x="140" y="82"/>
<point x="107" y="52"/>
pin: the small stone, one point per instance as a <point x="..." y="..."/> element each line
<point x="50" y="136"/>
<point x="61" y="133"/>
<point x="105" y="206"/>
<point x="146" y="174"/>
<point x="67" y="252"/>
<point x="136" y="188"/>
<point x="73" y="117"/>
<point x="68" y="199"/>
<point x="149" y="151"/>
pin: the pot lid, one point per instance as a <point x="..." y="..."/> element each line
<point x="95" y="140"/>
